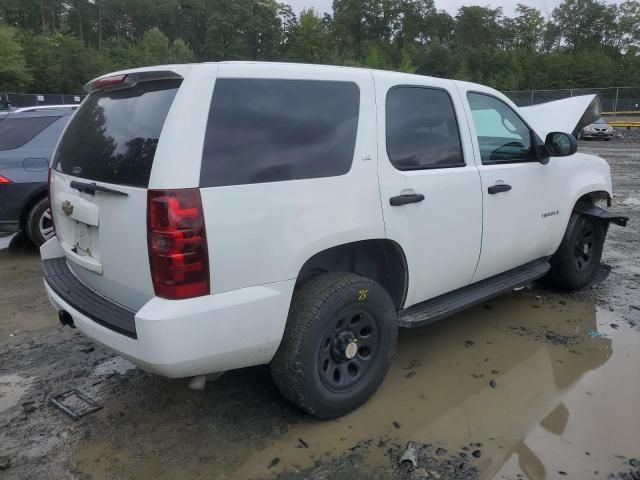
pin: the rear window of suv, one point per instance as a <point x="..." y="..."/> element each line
<point x="266" y="130"/>
<point x="16" y="132"/>
<point x="114" y="134"/>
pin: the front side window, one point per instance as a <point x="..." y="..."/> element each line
<point x="422" y="131"/>
<point x="271" y="130"/>
<point x="16" y="132"/>
<point x="502" y="136"/>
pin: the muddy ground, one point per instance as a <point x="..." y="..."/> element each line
<point x="535" y="384"/>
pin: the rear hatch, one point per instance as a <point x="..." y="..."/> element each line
<point x="99" y="179"/>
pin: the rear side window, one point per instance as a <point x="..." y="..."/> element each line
<point x="263" y="130"/>
<point x="422" y="131"/>
<point x="16" y="132"/>
<point x="114" y="134"/>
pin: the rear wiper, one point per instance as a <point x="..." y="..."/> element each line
<point x="92" y="188"/>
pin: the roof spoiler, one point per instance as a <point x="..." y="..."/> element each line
<point x="119" y="81"/>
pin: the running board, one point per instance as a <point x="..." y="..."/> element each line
<point x="465" y="297"/>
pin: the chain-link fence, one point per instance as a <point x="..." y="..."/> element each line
<point x="615" y="100"/>
<point x="20" y="100"/>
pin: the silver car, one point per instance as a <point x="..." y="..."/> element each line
<point x="598" y="129"/>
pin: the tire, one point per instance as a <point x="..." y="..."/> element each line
<point x="38" y="223"/>
<point x="338" y="322"/>
<point x="579" y="254"/>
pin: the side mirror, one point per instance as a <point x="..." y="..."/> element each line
<point x="561" y="144"/>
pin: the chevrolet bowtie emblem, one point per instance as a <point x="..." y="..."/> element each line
<point x="67" y="207"/>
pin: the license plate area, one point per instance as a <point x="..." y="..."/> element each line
<point x="85" y="240"/>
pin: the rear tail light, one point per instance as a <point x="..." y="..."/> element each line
<point x="49" y="193"/>
<point x="177" y="243"/>
<point x="4" y="179"/>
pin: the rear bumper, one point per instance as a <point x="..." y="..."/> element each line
<point x="181" y="338"/>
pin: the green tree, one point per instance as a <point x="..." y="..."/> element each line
<point x="153" y="49"/>
<point x="181" y="53"/>
<point x="583" y="23"/>
<point x="309" y="39"/>
<point x="13" y="72"/>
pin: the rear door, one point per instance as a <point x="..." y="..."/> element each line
<point x="429" y="183"/>
<point x="288" y="169"/>
<point x="100" y="176"/>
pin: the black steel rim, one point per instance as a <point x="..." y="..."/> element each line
<point x="583" y="248"/>
<point x="348" y="349"/>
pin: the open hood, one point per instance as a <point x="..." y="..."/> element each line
<point x="568" y="115"/>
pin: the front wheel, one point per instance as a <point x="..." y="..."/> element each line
<point x="340" y="337"/>
<point x="39" y="225"/>
<point x="579" y="254"/>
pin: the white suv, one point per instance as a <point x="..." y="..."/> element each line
<point x="215" y="216"/>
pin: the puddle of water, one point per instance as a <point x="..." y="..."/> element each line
<point x="549" y="401"/>
<point x="23" y="300"/>
<point x="114" y="365"/>
<point x="12" y="389"/>
<point x="438" y="390"/>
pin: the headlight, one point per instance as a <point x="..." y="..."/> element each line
<point x="588" y="128"/>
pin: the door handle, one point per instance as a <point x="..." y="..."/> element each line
<point x="404" y="199"/>
<point x="498" y="188"/>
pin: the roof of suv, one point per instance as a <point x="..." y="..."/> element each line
<point x="182" y="69"/>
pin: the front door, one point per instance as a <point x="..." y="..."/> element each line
<point x="430" y="187"/>
<point x="518" y="192"/>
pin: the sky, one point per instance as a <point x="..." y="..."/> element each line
<point x="451" y="6"/>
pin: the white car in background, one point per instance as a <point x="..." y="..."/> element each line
<point x="598" y="129"/>
<point x="216" y="216"/>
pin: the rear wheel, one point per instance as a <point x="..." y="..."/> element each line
<point x="579" y="254"/>
<point x="340" y="338"/>
<point x="39" y="225"/>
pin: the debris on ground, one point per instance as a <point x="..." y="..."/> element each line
<point x="595" y="334"/>
<point x="28" y="407"/>
<point x="492" y="384"/>
<point x="633" y="473"/>
<point x="75" y="404"/>
<point x="411" y="453"/>
<point x="418" y="462"/>
<point x="5" y="463"/>
<point x="559" y="339"/>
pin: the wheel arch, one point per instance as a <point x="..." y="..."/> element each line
<point x="34" y="197"/>
<point x="381" y="260"/>
<point x="593" y="196"/>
